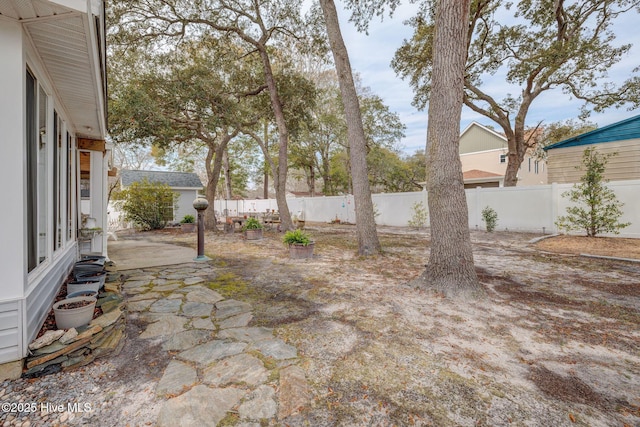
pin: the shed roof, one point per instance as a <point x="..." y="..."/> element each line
<point x="619" y="131"/>
<point x="172" y="179"/>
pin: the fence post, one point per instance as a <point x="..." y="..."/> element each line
<point x="555" y="202"/>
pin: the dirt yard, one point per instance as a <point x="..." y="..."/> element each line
<point x="555" y="343"/>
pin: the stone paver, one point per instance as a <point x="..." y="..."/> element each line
<point x="193" y="280"/>
<point x="203" y="324"/>
<point x="166" y="306"/>
<point x="202" y="294"/>
<point x="167" y="325"/>
<point x="247" y="334"/>
<point x="230" y="307"/>
<point x="259" y="404"/>
<point x="200" y="406"/>
<point x="197" y="309"/>
<point x="238" y="321"/>
<point x="207" y="353"/>
<point x="242" y="368"/>
<point x="177" y="378"/>
<point x="186" y="339"/>
<point x="140" y="305"/>
<point x="167" y="288"/>
<point x="215" y="367"/>
<point x="294" y="391"/>
<point x="275" y="348"/>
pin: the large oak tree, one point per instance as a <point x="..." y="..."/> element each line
<point x="544" y="45"/>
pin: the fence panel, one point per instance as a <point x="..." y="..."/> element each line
<point x="531" y="209"/>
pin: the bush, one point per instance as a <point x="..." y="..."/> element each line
<point x="148" y="205"/>
<point x="603" y="210"/>
<point x="251" y="224"/>
<point x="490" y="218"/>
<point x="420" y="216"/>
<point x="296" y="237"/>
<point x="188" y="219"/>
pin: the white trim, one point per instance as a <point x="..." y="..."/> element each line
<point x="503" y="150"/>
<point x="504" y="138"/>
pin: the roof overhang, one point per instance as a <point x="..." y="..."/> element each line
<point x="69" y="42"/>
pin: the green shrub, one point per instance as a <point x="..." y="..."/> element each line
<point x="251" y="224"/>
<point x="296" y="237"/>
<point x="601" y="210"/>
<point x="188" y="219"/>
<point x="420" y="216"/>
<point x="148" y="205"/>
<point x="490" y="218"/>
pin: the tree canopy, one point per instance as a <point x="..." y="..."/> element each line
<point x="539" y="45"/>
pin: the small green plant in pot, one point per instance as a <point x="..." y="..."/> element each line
<point x="300" y="244"/>
<point x="188" y="219"/>
<point x="252" y="229"/>
<point x="188" y="224"/>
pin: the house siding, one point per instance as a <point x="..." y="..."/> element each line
<point x="476" y="138"/>
<point x="562" y="161"/>
<point x="185" y="204"/>
<point x="10" y="331"/>
<point x="40" y="298"/>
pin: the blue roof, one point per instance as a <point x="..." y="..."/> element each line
<point x="619" y="131"/>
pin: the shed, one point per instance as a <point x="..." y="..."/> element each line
<point x="623" y="137"/>
<point x="186" y="184"/>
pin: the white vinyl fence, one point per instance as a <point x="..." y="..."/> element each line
<point x="532" y="209"/>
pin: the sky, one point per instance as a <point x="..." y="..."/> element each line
<point x="371" y="56"/>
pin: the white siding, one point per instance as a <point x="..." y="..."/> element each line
<point x="185" y="204"/>
<point x="10" y="331"/>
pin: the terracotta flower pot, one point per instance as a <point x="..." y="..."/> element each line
<point x="74" y="312"/>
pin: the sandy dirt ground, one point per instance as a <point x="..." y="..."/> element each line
<point x="556" y="342"/>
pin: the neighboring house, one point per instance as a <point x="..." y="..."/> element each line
<point x="483" y="153"/>
<point x="186" y="184"/>
<point x="622" y="137"/>
<point x="53" y="122"/>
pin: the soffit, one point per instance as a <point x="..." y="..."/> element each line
<point x="61" y="38"/>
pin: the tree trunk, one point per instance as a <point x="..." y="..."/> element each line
<point x="283" y="138"/>
<point x="450" y="269"/>
<point x="368" y="243"/>
<point x="213" y="166"/>
<point x="266" y="161"/>
<point x="311" y="181"/>
<point x="227" y="174"/>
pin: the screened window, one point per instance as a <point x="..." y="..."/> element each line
<point x="37" y="144"/>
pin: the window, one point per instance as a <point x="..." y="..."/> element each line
<point x="536" y="163"/>
<point x="70" y="187"/>
<point x="529" y="164"/>
<point x="503" y="158"/>
<point x="57" y="153"/>
<point x="36" y="139"/>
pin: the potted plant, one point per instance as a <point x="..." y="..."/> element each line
<point x="74" y="312"/>
<point x="252" y="229"/>
<point x="188" y="224"/>
<point x="91" y="276"/>
<point x="300" y="244"/>
<point x="76" y="286"/>
<point x="89" y="233"/>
